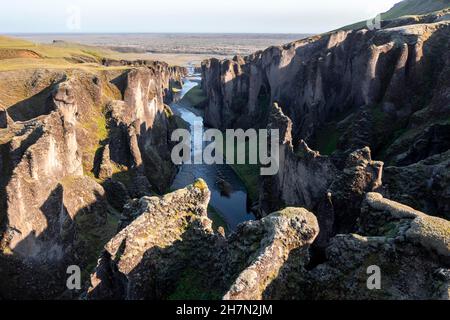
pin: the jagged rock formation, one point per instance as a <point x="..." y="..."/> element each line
<point x="410" y="248"/>
<point x="171" y="236"/>
<point x="141" y="127"/>
<point x="38" y="222"/>
<point x="278" y="237"/>
<point x="386" y="89"/>
<point x="342" y="91"/>
<point x="96" y="144"/>
<point x="52" y="212"/>
<point x="167" y="249"/>
<point x="425" y="184"/>
<point x="315" y="79"/>
<point x="304" y="174"/>
<point x="166" y="235"/>
<point x="310" y="180"/>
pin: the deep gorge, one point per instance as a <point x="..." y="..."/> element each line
<point x="87" y="177"/>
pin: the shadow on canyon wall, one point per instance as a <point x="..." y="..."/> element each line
<point x="183" y="270"/>
<point x="37" y="105"/>
<point x="30" y="273"/>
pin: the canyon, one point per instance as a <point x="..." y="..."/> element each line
<point x="99" y="140"/>
<point x="87" y="177"/>
<point x="386" y="89"/>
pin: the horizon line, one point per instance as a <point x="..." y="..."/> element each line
<point x="154" y="32"/>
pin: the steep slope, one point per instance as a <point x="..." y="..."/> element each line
<point x="406" y="9"/>
<point x="171" y="243"/>
<point x="415" y="7"/>
<point x="167" y="250"/>
<point x="386" y="89"/>
<point x="410" y="248"/>
<point x="63" y="179"/>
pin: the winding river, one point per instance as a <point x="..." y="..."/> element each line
<point x="232" y="207"/>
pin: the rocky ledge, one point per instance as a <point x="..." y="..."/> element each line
<point x="95" y="140"/>
<point x="171" y="240"/>
<point x="386" y="89"/>
<point x="168" y="250"/>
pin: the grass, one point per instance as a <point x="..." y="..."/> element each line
<point x="405" y="8"/>
<point x="327" y="139"/>
<point x="98" y="127"/>
<point x="54" y="56"/>
<point x="414" y="7"/>
<point x="57" y="56"/>
<point x="195" y="97"/>
<point x="248" y="173"/>
<point x="123" y="175"/>
<point x="95" y="237"/>
<point x="54" y="51"/>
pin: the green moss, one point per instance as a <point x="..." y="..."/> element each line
<point x="289" y="212"/>
<point x="390" y="230"/>
<point x="102" y="129"/>
<point x="97" y="128"/>
<point x="327" y="139"/>
<point x="248" y="173"/>
<point x="195" y="97"/>
<point x="200" y="184"/>
<point x="95" y="237"/>
<point x="192" y="286"/>
<point x="123" y="175"/>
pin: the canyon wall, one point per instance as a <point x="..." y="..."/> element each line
<point x="167" y="249"/>
<point x="319" y="79"/>
<point x="385" y="89"/>
<point x="65" y="171"/>
<point x="170" y="251"/>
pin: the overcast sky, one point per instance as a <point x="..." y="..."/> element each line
<point x="242" y="16"/>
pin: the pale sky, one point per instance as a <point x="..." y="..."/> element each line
<point x="207" y="16"/>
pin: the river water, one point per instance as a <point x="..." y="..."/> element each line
<point x="232" y="207"/>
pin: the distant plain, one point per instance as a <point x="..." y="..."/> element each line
<point x="174" y="48"/>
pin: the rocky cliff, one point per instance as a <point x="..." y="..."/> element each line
<point x="168" y="250"/>
<point x="410" y="248"/>
<point x="332" y="76"/>
<point x="353" y="95"/>
<point x="171" y="251"/>
<point x="63" y="176"/>
<point x="84" y="151"/>
<point x="342" y="91"/>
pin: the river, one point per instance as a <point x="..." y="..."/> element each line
<point x="231" y="207"/>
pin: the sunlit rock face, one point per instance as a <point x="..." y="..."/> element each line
<point x="141" y="125"/>
<point x="171" y="238"/>
<point x="355" y="96"/>
<point x="47" y="197"/>
<point x="315" y="79"/>
<point x="386" y="89"/>
<point x="168" y="250"/>
<point x="410" y="248"/>
<point x="53" y="213"/>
